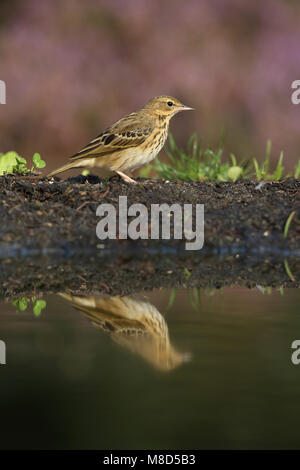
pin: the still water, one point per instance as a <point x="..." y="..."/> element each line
<point x="161" y="370"/>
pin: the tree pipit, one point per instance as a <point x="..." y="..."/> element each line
<point x="131" y="142"/>
<point x="134" y="324"/>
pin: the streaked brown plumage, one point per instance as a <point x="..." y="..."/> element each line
<point x="133" y="323"/>
<point x="131" y="142"/>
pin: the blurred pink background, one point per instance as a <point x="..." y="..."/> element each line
<point x="73" y="67"/>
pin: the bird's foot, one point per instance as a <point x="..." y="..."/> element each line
<point x="126" y="178"/>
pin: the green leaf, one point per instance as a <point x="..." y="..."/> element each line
<point x="257" y="169"/>
<point x="281" y="290"/>
<point x="233" y="159"/>
<point x="235" y="172"/>
<point x="187" y="273"/>
<point x="288" y="270"/>
<point x="37" y="161"/>
<point x="279" y="168"/>
<point x="288" y="223"/>
<point x="11" y="162"/>
<point x="21" y="304"/>
<point x="38" y="307"/>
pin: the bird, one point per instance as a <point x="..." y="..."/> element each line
<point x="129" y="143"/>
<point x="133" y="323"/>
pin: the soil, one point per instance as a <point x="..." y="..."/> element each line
<point x="126" y="274"/>
<point x="49" y="244"/>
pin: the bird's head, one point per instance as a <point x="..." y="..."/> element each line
<point x="165" y="106"/>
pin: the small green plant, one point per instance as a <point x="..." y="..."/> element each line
<point x="197" y="163"/>
<point x="187" y="273"/>
<point x="288" y="270"/>
<point x="281" y="290"/>
<point x="268" y="290"/>
<point x="171" y="298"/>
<point x="262" y="171"/>
<point x="21" y="304"/>
<point x="37" y="305"/>
<point x="264" y="290"/>
<point x="37" y="162"/>
<point x="288" y="223"/>
<point x="194" y="297"/>
<point x="12" y="163"/>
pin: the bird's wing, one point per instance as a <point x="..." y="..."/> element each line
<point x="130" y="131"/>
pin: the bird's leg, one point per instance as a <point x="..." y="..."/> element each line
<point x="125" y="177"/>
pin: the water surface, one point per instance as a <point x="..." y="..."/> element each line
<point x="152" y="371"/>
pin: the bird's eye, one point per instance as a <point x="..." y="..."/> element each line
<point x="170" y="103"/>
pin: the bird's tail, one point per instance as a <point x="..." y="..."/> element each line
<point x="62" y="168"/>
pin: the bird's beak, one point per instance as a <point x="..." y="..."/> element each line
<point x="186" y="108"/>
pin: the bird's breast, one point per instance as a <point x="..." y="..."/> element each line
<point x="154" y="144"/>
<point x="136" y="157"/>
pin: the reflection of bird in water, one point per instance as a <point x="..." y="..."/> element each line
<point x="135" y="324"/>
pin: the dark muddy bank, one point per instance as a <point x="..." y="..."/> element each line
<point x="130" y="273"/>
<point x="48" y="240"/>
<point x="55" y="215"/>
